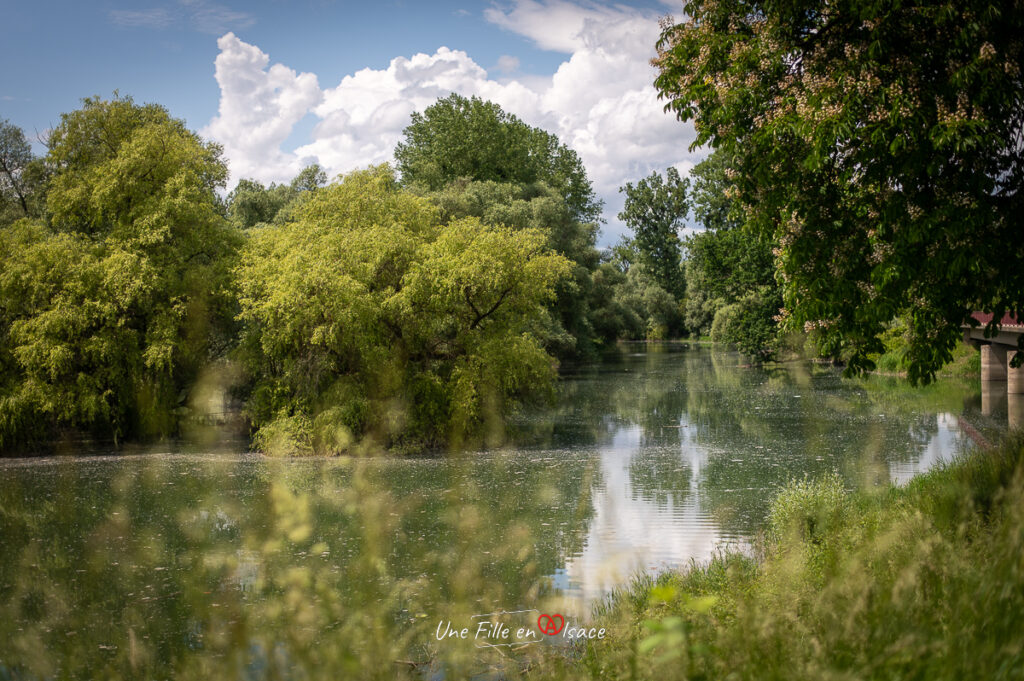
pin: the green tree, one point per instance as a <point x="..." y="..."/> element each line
<point x="628" y="303"/>
<point x="656" y="312"/>
<point x="728" y="266"/>
<point x="367" y="318"/>
<point x="721" y="267"/>
<point x="15" y="155"/>
<point x="475" y="160"/>
<point x="110" y="313"/>
<point x="22" y="176"/>
<point x="713" y="196"/>
<point x="537" y="206"/>
<point x="251" y="203"/>
<point x="748" y="323"/>
<point x="879" y="145"/>
<point x="310" y="178"/>
<point x="457" y="137"/>
<point x="655" y="209"/>
<point x="614" y="312"/>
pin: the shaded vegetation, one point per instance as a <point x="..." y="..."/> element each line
<point x="877" y="147"/>
<point x="730" y="272"/>
<point x="250" y="203"/>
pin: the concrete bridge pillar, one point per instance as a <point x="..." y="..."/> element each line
<point x="993" y="362"/>
<point x="1014" y="377"/>
<point x="993" y="398"/>
<point x="1015" y="393"/>
<point x="1015" y="410"/>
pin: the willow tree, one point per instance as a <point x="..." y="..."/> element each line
<point x="108" y="313"/>
<point x="879" y="145"/>
<point x="368" y="320"/>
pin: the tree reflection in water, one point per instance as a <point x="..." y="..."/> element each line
<point x="238" y="566"/>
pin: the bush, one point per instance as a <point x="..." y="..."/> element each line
<point x="700" y="311"/>
<point x="722" y="328"/>
<point x="807" y="510"/>
<point x="748" y="324"/>
<point x="285" y="435"/>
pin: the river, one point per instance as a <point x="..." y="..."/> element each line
<point x="182" y="562"/>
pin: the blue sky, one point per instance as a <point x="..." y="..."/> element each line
<point x="283" y="83"/>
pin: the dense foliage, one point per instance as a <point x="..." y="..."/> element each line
<point x="22" y="176"/>
<point x="879" y="146"/>
<point x="251" y="203"/>
<point x="368" y="319"/>
<point x="475" y="160"/>
<point x="730" y="272"/>
<point x="111" y="308"/>
<point x="644" y="309"/>
<point x="719" y="281"/>
<point x="537" y="206"/>
<point x="654" y="210"/>
<point x="472" y="138"/>
<point x="367" y="313"/>
<point x="645" y="271"/>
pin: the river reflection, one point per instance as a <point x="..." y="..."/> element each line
<point x="692" y="446"/>
<point x="177" y="564"/>
<point x="640" y="523"/>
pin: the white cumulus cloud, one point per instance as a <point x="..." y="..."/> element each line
<point x="259" y="106"/>
<point x="507" y="63"/>
<point x="600" y="101"/>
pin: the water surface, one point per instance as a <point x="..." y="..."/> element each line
<point x="177" y="563"/>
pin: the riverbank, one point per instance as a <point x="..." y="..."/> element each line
<point x="924" y="581"/>
<point x="966" y="362"/>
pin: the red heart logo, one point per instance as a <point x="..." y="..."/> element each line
<point x="547" y="625"/>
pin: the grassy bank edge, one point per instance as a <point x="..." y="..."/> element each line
<point x="920" y="581"/>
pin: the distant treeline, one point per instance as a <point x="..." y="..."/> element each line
<point x="409" y="306"/>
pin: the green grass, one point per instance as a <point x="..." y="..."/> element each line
<point x="924" y="581"/>
<point x="966" y="362"/>
<point x="700" y="340"/>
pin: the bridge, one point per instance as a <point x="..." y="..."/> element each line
<point x="1002" y="386"/>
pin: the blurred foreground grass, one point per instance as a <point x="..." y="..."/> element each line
<point x="313" y="571"/>
<point x="194" y="568"/>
